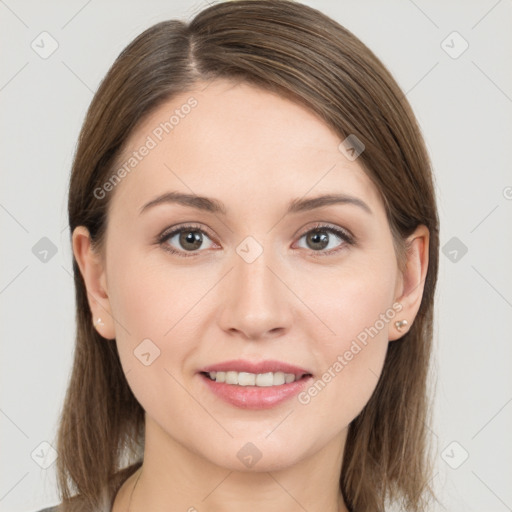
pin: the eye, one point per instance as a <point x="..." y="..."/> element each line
<point x="189" y="238"/>
<point x="322" y="239"/>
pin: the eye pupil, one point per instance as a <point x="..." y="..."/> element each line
<point x="191" y="237"/>
<point x="319" y="237"/>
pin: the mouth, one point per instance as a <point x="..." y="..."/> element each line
<point x="262" y="380"/>
<point x="250" y="385"/>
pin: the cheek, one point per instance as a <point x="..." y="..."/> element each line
<point x="154" y="306"/>
<point x="352" y="297"/>
<point x="356" y="310"/>
<point x="150" y="296"/>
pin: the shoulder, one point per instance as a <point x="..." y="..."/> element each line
<point x="49" y="509"/>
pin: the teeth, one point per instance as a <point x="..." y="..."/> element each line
<point x="246" y="379"/>
<point x="289" y="377"/>
<point x="278" y="378"/>
<point x="231" y="378"/>
<point x="253" y="379"/>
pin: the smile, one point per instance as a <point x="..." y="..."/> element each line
<point x="254" y="379"/>
<point x="255" y="385"/>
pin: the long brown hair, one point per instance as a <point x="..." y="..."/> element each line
<point x="302" y="54"/>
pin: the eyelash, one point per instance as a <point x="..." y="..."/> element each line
<point x="340" y="233"/>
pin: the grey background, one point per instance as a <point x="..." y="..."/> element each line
<point x="464" y="106"/>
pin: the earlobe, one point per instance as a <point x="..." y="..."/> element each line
<point x="411" y="282"/>
<point x="93" y="272"/>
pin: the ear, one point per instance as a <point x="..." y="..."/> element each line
<point x="411" y="282"/>
<point x="93" y="272"/>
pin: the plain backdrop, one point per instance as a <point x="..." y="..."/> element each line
<point x="452" y="59"/>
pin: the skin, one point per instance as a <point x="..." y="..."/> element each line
<point x="254" y="151"/>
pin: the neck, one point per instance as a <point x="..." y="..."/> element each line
<point x="173" y="476"/>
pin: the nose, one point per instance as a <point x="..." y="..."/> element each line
<point x="256" y="301"/>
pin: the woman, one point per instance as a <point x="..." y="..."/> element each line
<point x="255" y="241"/>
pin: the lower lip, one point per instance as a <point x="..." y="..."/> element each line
<point x="255" y="397"/>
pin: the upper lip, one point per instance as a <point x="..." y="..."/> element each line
<point x="240" y="365"/>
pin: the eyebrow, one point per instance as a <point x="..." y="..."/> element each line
<point x="215" y="206"/>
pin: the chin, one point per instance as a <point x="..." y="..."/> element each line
<point x="259" y="455"/>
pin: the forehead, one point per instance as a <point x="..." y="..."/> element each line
<point x="223" y="137"/>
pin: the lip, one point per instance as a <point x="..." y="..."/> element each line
<point x="240" y="365"/>
<point x="255" y="397"/>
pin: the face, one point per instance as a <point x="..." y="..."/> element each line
<point x="258" y="279"/>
